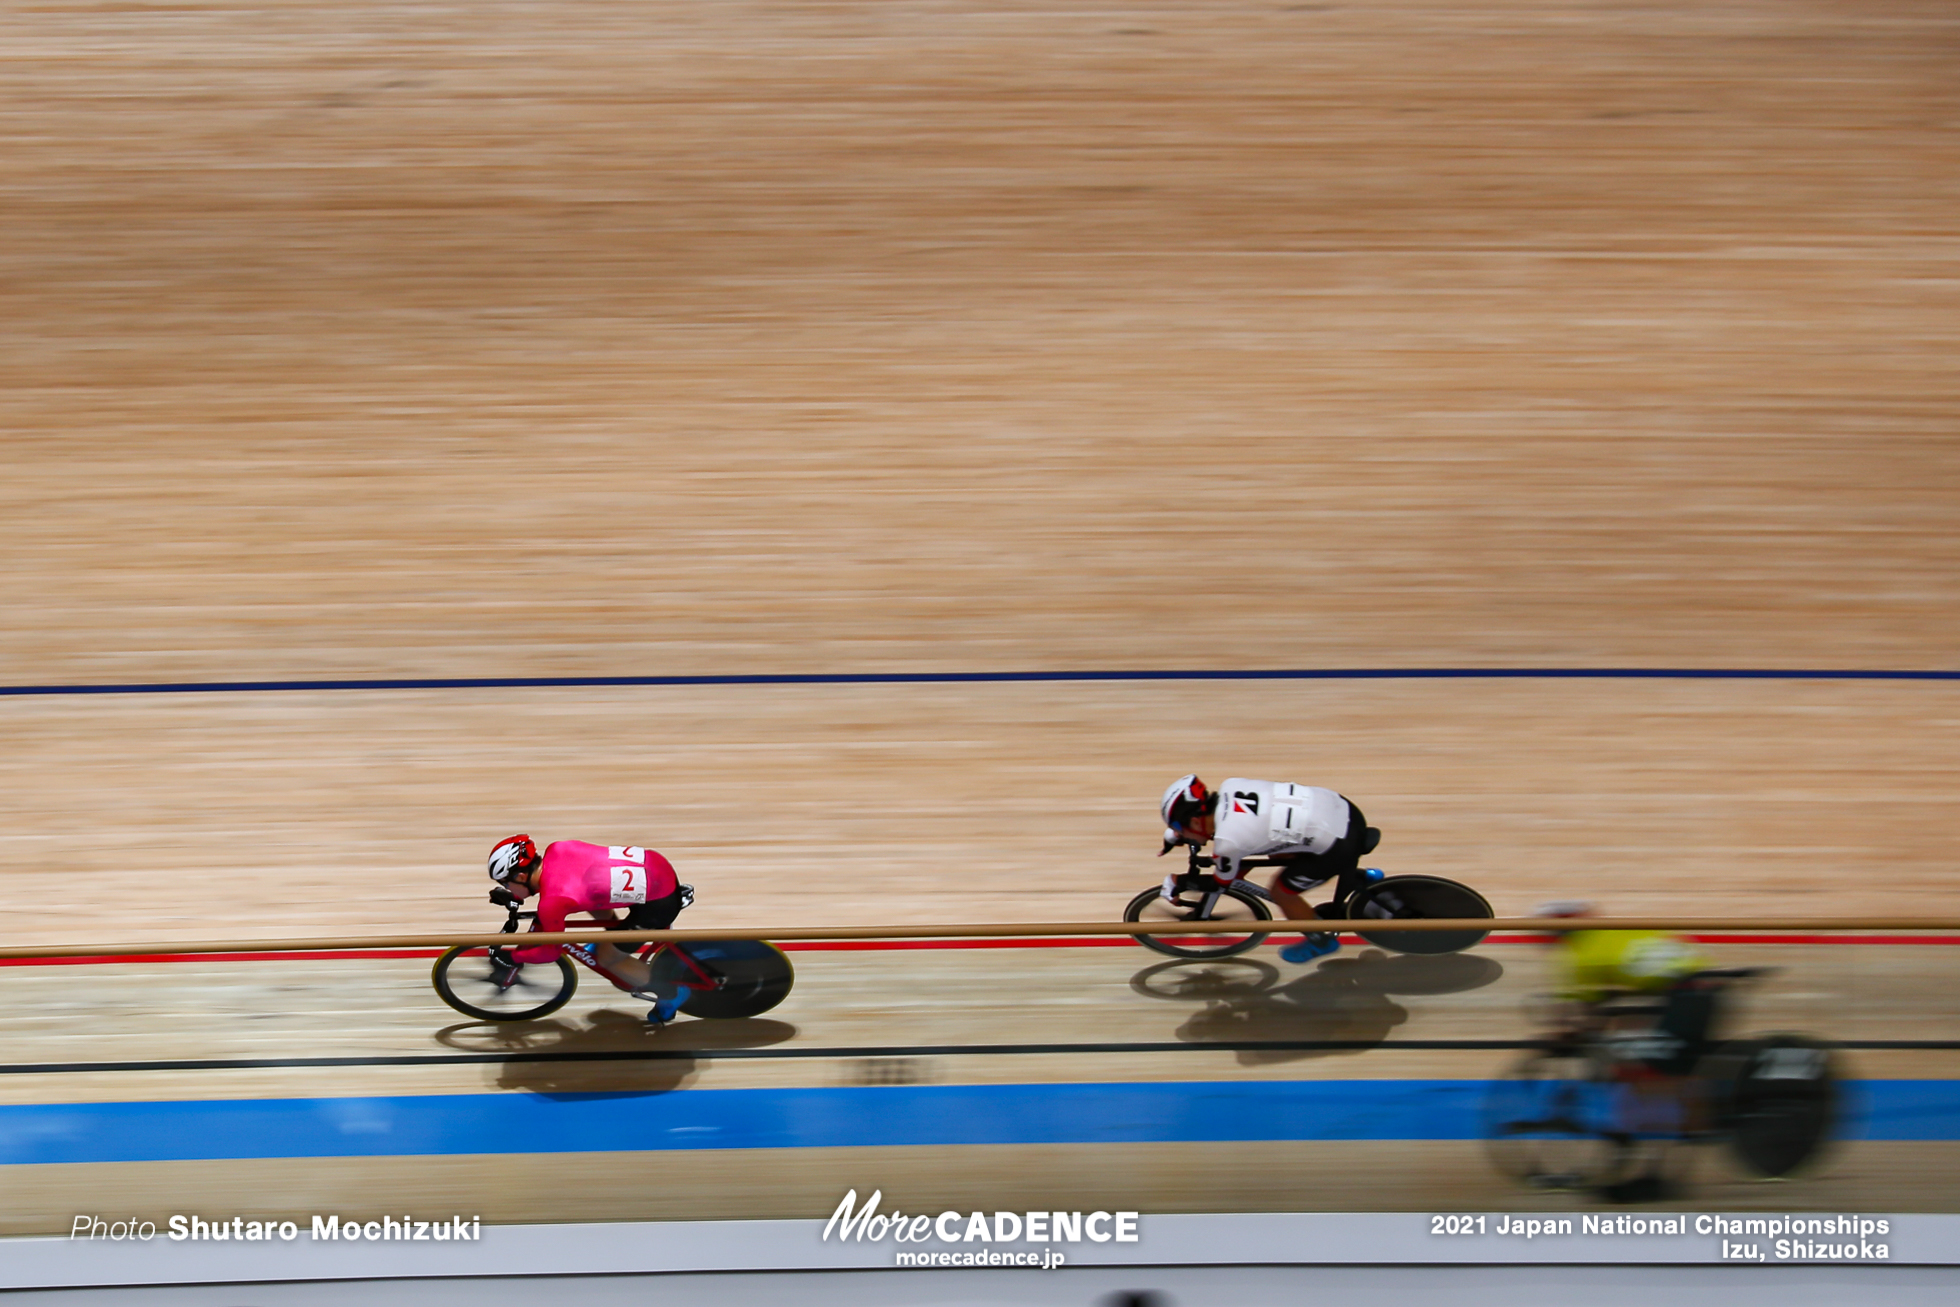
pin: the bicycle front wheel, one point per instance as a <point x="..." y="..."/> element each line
<point x="754" y="976"/>
<point x="1549" y="1123"/>
<point x="467" y="980"/>
<point x="1231" y="903"/>
<point x="1407" y="897"/>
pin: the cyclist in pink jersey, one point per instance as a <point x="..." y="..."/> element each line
<point x="599" y="880"/>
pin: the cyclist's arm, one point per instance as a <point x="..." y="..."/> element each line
<point x="1225" y="866"/>
<point x="1661" y="962"/>
<point x="1580" y="978"/>
<point x="552" y="911"/>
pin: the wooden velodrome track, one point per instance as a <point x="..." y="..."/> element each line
<point x="532" y="340"/>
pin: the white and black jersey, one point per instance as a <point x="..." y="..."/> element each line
<point x="1275" y="819"/>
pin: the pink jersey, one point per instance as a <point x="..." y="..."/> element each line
<point x="578" y="877"/>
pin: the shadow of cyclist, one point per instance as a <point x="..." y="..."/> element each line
<point x="614" y="1053"/>
<point x="1342" y="1006"/>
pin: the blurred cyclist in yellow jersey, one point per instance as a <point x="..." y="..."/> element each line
<point x="1637" y="961"/>
<point x="1659" y="1063"/>
<point x="1597" y="965"/>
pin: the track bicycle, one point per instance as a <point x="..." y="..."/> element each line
<point x="729" y="978"/>
<point x="1585" y="1110"/>
<point x="1197" y="896"/>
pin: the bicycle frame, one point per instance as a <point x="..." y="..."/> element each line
<point x="587" y="955"/>
<point x="1620" y="1030"/>
<point x="1202" y="908"/>
<point x="1621" y="1016"/>
<point x="1202" y="863"/>
<point x="706" y="978"/>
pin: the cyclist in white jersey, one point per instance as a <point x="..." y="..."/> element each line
<point x="1314" y="833"/>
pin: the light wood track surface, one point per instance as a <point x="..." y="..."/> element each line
<point x="1100" y="1008"/>
<point x="530" y="339"/>
<point x="216" y="816"/>
<point x="1109" y="1005"/>
<point x="720" y="336"/>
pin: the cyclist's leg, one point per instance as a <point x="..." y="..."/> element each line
<point x="1342" y="863"/>
<point x="1288" y="884"/>
<point x="1299" y="874"/>
<point x="622" y="966"/>
<point x="1694" y="1009"/>
<point x="1665" y="1101"/>
<point x="654" y="914"/>
<point x="1692" y="1005"/>
<point x="1366" y="838"/>
<point x="659" y="914"/>
<point x="1648" y="1117"/>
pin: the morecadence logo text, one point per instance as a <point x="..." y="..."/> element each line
<point x="966" y="1230"/>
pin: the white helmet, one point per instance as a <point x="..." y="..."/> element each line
<point x="1186" y="798"/>
<point x="511" y="856"/>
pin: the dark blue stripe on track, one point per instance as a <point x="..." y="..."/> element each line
<point x="823" y="1118"/>
<point x="968" y="678"/>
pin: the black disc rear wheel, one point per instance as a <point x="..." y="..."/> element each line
<point x="755" y="975"/>
<point x="1781" y="1108"/>
<point x="1412" y="897"/>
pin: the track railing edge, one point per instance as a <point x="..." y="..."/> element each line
<point x="987" y="930"/>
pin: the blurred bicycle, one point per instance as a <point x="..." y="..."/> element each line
<point x="1603" y="1105"/>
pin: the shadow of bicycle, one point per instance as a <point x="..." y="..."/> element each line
<point x="612" y="1053"/>
<point x="1342" y="1006"/>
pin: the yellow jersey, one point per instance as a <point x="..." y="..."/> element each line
<point x="1644" y="961"/>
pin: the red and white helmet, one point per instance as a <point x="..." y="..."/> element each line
<point x="512" y="856"/>
<point x="1186" y="798"/>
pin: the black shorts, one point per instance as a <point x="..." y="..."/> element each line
<point x="1685" y="1025"/>
<point x="656" y="914"/>
<point x="1302" y="871"/>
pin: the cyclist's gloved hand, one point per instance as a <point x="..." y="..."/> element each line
<point x="503" y="968"/>
<point x="687" y="896"/>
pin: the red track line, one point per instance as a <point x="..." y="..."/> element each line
<point x="1825" y="939"/>
<point x="882" y="945"/>
<point x="319" y="955"/>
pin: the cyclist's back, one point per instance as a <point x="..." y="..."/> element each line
<point x="580" y="877"/>
<point x="1596" y="962"/>
<point x="1274" y="819"/>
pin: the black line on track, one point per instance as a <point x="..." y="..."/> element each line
<point x="901" y="1050"/>
<point x="968" y="678"/>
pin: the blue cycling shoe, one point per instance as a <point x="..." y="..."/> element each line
<point x="666" y="1009"/>
<point x="1317" y="945"/>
